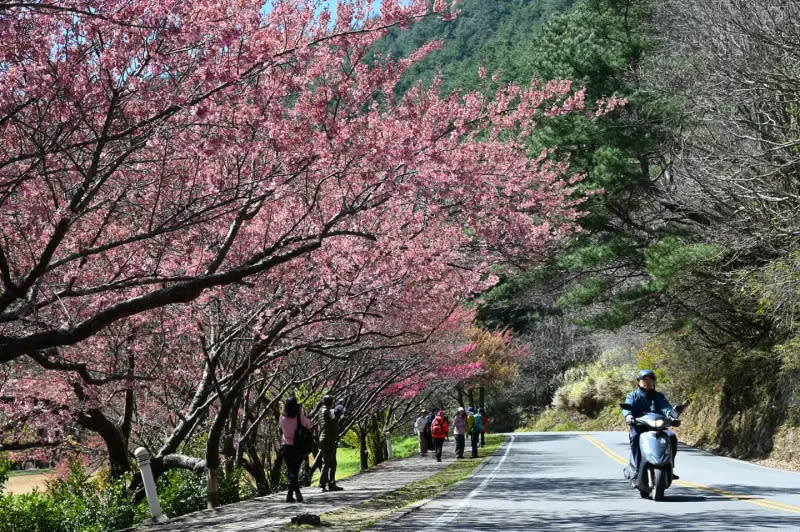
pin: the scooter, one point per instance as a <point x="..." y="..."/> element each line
<point x="655" y="470"/>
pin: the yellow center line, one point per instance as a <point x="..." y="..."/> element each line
<point x="750" y="499"/>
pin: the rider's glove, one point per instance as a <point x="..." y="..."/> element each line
<point x="629" y="419"/>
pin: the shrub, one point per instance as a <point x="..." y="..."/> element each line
<point x="5" y="467"/>
<point x="588" y="389"/>
<point x="181" y="491"/>
<point x="76" y="503"/>
<point x="30" y="512"/>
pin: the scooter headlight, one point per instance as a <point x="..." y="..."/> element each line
<point x="658" y="423"/>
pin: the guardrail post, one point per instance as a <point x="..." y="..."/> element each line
<point x="388" y="444"/>
<point x="143" y="459"/>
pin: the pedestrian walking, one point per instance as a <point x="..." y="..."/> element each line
<point x="460" y="431"/>
<point x="439" y="429"/>
<point x="419" y="429"/>
<point x="431" y="415"/>
<point x="292" y="414"/>
<point x="329" y="434"/>
<point x="475" y="435"/>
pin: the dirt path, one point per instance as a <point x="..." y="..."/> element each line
<point x="26" y="483"/>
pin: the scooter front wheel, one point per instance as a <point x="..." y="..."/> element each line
<point x="659" y="484"/>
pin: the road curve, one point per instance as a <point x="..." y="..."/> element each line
<point x="571" y="480"/>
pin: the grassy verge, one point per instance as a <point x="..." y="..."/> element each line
<point x="556" y="420"/>
<point x="348" y="462"/>
<point x="366" y="514"/>
<point x="28" y="472"/>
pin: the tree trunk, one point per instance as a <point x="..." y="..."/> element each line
<point x="275" y="471"/>
<point x="212" y="499"/>
<point x="255" y="467"/>
<point x="228" y="447"/>
<point x="212" y="450"/>
<point x="471" y="397"/>
<point x="460" y="394"/>
<point x="116" y="443"/>
<point x="482" y="396"/>
<point x="362" y="446"/>
<point x="376" y="440"/>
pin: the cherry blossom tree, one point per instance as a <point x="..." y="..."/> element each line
<point x="161" y="158"/>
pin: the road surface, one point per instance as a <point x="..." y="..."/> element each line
<point x="560" y="481"/>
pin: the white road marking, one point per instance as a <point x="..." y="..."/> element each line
<point x="445" y="519"/>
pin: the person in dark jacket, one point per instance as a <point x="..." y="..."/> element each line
<point x="431" y="415"/>
<point x="329" y="433"/>
<point x="482" y="412"/>
<point x="645" y="399"/>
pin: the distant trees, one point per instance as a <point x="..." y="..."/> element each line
<point x="740" y="165"/>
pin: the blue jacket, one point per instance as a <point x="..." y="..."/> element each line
<point x="645" y="402"/>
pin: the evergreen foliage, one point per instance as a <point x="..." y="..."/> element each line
<point x="485" y="33"/>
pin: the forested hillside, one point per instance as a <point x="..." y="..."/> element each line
<point x="485" y="33"/>
<point x="689" y="261"/>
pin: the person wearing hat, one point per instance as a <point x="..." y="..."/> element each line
<point x="460" y="431"/>
<point x="419" y="429"/>
<point x="329" y="433"/>
<point x="645" y="399"/>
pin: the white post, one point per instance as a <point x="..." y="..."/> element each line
<point x="388" y="444"/>
<point x="143" y="458"/>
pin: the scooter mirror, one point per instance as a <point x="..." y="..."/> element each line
<point x="681" y="407"/>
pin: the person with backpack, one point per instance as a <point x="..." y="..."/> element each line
<point x="439" y="429"/>
<point x="460" y="431"/>
<point x="475" y="435"/>
<point x="288" y="423"/>
<point x="420" y="425"/>
<point x="431" y="415"/>
<point x="329" y="433"/>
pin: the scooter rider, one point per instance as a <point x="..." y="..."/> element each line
<point x="645" y="399"/>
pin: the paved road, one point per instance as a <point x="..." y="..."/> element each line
<point x="555" y="481"/>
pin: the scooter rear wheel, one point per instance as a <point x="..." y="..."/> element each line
<point x="643" y="494"/>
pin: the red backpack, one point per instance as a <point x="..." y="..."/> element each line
<point x="437" y="428"/>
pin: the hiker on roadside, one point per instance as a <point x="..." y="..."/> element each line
<point x="419" y="430"/>
<point x="460" y="431"/>
<point x="482" y="412"/>
<point x="475" y="434"/>
<point x="329" y="433"/>
<point x="292" y="413"/>
<point x="439" y="428"/>
<point x="431" y="415"/>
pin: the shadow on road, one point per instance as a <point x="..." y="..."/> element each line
<point x="526" y="518"/>
<point x="534" y="438"/>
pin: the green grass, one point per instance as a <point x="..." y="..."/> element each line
<point x="364" y="515"/>
<point x="405" y="446"/>
<point x="28" y="472"/>
<point x="348" y="462"/>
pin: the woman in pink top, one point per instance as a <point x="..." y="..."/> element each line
<point x="288" y="424"/>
